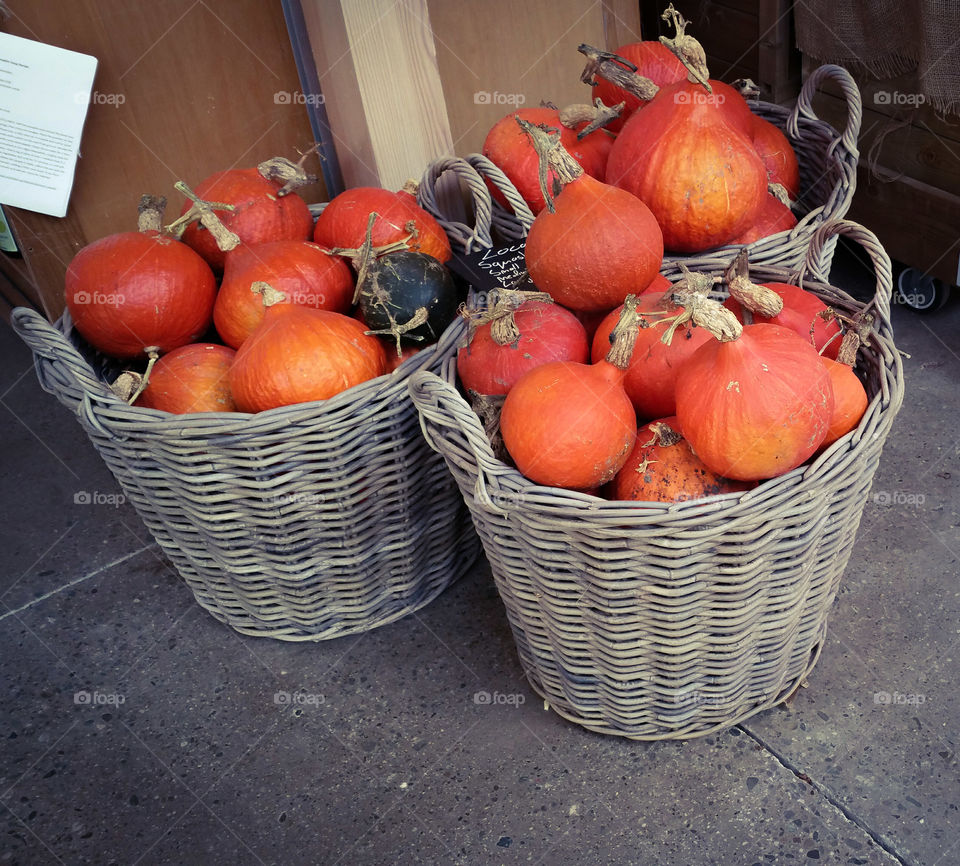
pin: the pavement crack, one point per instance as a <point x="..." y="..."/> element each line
<point x="832" y="799"/>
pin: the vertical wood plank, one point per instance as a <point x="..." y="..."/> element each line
<point x="381" y="87"/>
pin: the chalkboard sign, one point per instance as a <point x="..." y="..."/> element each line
<point x="496" y="268"/>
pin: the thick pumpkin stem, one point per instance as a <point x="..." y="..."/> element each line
<point x="747" y="88"/>
<point x="293" y="174"/>
<point x="595" y="116"/>
<point x="688" y="50"/>
<point x="617" y="70"/>
<point x="624" y="334"/>
<point x="397" y="330"/>
<point x="753" y="297"/>
<point x="849" y="348"/>
<point x="690" y="292"/>
<point x="363" y="256"/>
<point x="270" y="295"/>
<point x="552" y="155"/>
<point x="664" y="434"/>
<point x="503" y="323"/>
<point x="150" y="213"/>
<point x="204" y="212"/>
<point x="411" y="186"/>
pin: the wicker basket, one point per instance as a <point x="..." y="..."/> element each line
<point x="306" y="522"/>
<point x="667" y="621"/>
<point x="828" y="177"/>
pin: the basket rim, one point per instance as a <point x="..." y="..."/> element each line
<point x="156" y="422"/>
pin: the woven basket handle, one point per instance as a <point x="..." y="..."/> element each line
<point x="445" y="417"/>
<point x="851" y="94"/>
<point x="57" y="359"/>
<point x="515" y="222"/>
<point x="868" y="240"/>
<point x="469" y="238"/>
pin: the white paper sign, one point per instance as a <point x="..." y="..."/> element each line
<point x="44" y="96"/>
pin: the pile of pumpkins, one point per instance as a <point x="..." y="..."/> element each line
<point x="245" y="303"/>
<point x="607" y="378"/>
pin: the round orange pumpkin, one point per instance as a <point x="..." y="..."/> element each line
<point x="192" y="378"/>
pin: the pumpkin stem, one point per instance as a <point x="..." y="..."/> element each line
<point x="617" y="70"/>
<point x="363" y="256"/>
<point x="204" y="212"/>
<point x="129" y="385"/>
<point x="503" y="323"/>
<point x="150" y="213"/>
<point x="293" y="174"/>
<point x="595" y="116"/>
<point x="552" y="155"/>
<point x="690" y="292"/>
<point x="664" y="434"/>
<point x="849" y="348"/>
<point x="397" y="331"/>
<point x="687" y="49"/>
<point x="411" y="186"/>
<point x="270" y="295"/>
<point x="624" y="334"/>
<point x="757" y="299"/>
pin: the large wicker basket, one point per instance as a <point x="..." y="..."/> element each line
<point x="655" y="621"/>
<point x="828" y="176"/>
<point x="306" y="522"/>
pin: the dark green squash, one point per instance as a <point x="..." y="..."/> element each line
<point x="408" y="295"/>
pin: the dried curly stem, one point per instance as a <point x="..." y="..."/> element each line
<point x="552" y="155"/>
<point x="690" y="292"/>
<point x="779" y="192"/>
<point x="849" y="348"/>
<point x="617" y="70"/>
<point x="150" y="213"/>
<point x="500" y="316"/>
<point x="363" y="256"/>
<point x="624" y="334"/>
<point x="687" y="49"/>
<point x="753" y="297"/>
<point x="595" y="116"/>
<point x="204" y="212"/>
<point x="293" y="174"/>
<point x="129" y="385"/>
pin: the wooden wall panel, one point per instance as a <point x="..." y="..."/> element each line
<point x="186" y="88"/>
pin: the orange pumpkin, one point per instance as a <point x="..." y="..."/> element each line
<point x="193" y="378"/>
<point x="663" y="468"/>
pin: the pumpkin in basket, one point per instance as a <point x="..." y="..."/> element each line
<point x="757" y="401"/>
<point x="688" y="156"/>
<point x="253" y="205"/>
<point x="509" y="148"/>
<point x="595" y="244"/>
<point x="193" y="378"/>
<point x="299" y="354"/>
<point x="137" y="293"/>
<point x="663" y="468"/>
<point x="305" y="272"/>
<point x="520" y="332"/>
<point x="572" y="425"/>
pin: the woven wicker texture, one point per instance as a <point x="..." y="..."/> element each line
<point x="828" y="176"/>
<point x="656" y="621"/>
<point x="306" y="522"/>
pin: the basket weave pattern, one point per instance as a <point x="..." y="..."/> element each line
<point x="306" y="522"/>
<point x="656" y="621"/>
<point x="828" y="176"/>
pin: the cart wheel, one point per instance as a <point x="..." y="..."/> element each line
<point x="921" y="292"/>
